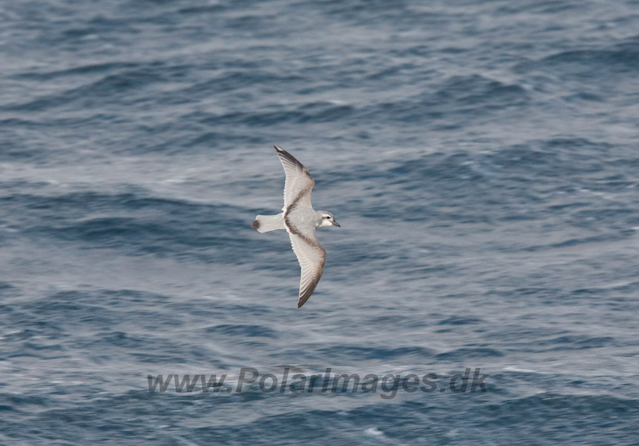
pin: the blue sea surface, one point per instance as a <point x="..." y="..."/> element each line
<point x="481" y="156"/>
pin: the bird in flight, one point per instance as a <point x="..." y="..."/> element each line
<point x="300" y="221"/>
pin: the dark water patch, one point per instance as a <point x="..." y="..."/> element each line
<point x="251" y="22"/>
<point x="448" y="189"/>
<point x="298" y="424"/>
<point x="479" y="91"/>
<point x="574" y="242"/>
<point x="22" y="403"/>
<point x="250" y="331"/>
<point x="89" y="317"/>
<point x="48" y="329"/>
<point x="628" y="287"/>
<point x="579" y="342"/>
<point x="125" y="85"/>
<point x="145" y="224"/>
<point x="217" y="309"/>
<point x="13" y="150"/>
<point x="120" y="339"/>
<point x="60" y="312"/>
<point x="376" y="353"/>
<point x="305" y="114"/>
<point x="229" y="81"/>
<point x="110" y="232"/>
<point x="610" y="408"/>
<point x="616" y="217"/>
<point x="105" y="416"/>
<point x="378" y="14"/>
<point x="117" y="298"/>
<point x="7" y="289"/>
<point x="452" y="103"/>
<point x="470" y="353"/>
<point x="325" y="112"/>
<point x="553" y="158"/>
<point x="615" y="61"/>
<point x="202" y="9"/>
<point x="460" y="320"/>
<point x="624" y="56"/>
<point x="80" y="71"/>
<point x="210" y="139"/>
<point x="438" y="168"/>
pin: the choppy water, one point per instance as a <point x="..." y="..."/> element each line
<point x="481" y="157"/>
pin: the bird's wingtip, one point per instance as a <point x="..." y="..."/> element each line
<point x="279" y="149"/>
<point x="303" y="300"/>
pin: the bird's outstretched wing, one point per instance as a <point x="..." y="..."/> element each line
<point x="299" y="183"/>
<point x="312" y="257"/>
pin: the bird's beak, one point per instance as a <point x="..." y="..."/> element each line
<point x="336" y="224"/>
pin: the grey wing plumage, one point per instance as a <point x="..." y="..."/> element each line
<point x="311" y="256"/>
<point x="299" y="183"/>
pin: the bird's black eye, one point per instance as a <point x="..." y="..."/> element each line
<point x="327" y="216"/>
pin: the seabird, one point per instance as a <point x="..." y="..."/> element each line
<point x="300" y="221"/>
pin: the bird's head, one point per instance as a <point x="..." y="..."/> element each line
<point x="327" y="219"/>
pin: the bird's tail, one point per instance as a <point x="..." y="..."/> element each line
<point x="266" y="223"/>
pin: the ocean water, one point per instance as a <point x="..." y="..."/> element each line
<point x="481" y="156"/>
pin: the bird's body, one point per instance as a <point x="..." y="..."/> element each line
<point x="300" y="221"/>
